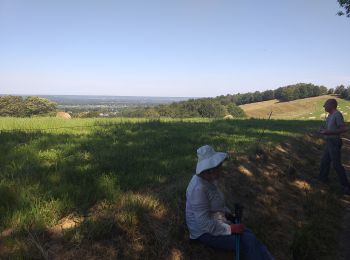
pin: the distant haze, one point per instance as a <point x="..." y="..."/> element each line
<point x="64" y="100"/>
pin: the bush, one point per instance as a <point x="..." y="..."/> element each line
<point x="16" y="106"/>
<point x="345" y="93"/>
<point x="38" y="106"/>
<point x="235" y="111"/>
<point x="298" y="91"/>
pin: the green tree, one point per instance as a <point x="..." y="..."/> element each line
<point x="268" y="95"/>
<point x="257" y="96"/>
<point x="315" y="91"/>
<point x="300" y="90"/>
<point x="151" y="112"/>
<point x="345" y="93"/>
<point x="288" y="94"/>
<point x="12" y="106"/>
<point x="38" y="106"/>
<point x="346" y="5"/>
<point x="235" y="111"/>
<point x="339" y="89"/>
<point x="323" y="90"/>
<point x="330" y="91"/>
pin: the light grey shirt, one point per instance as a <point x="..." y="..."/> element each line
<point x="204" y="203"/>
<point x="334" y="122"/>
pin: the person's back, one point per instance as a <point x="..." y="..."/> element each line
<point x="205" y="209"/>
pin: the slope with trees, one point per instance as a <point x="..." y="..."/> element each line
<point x="343" y="92"/>
<point x="223" y="105"/>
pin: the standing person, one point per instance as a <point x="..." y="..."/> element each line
<point x="206" y="213"/>
<point x="334" y="127"/>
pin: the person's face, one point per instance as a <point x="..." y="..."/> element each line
<point x="328" y="107"/>
<point x="216" y="173"/>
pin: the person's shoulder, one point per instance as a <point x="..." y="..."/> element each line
<point x="194" y="182"/>
<point x="195" y="190"/>
<point x="338" y="114"/>
<point x="198" y="184"/>
<point x="335" y="114"/>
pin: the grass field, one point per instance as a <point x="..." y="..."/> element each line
<point x="307" y="109"/>
<point x="115" y="188"/>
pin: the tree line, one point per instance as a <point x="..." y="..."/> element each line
<point x="283" y="94"/>
<point x="18" y="106"/>
<point x="204" y="107"/>
<point x="227" y="105"/>
<point x="341" y="91"/>
<point x="217" y="107"/>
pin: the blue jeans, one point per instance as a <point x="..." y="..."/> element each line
<point x="251" y="247"/>
<point x="332" y="154"/>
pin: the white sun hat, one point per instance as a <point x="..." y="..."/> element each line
<point x="208" y="158"/>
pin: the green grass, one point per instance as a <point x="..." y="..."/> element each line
<point x="135" y="171"/>
<point x="318" y="112"/>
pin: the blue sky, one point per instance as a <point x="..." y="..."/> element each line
<point x="170" y="47"/>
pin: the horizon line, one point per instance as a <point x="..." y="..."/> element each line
<point x="98" y="95"/>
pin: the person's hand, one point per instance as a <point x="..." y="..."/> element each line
<point x="230" y="217"/>
<point x="237" y="228"/>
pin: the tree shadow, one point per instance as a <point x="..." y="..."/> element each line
<point x="59" y="174"/>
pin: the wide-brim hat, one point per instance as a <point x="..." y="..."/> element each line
<point x="208" y="158"/>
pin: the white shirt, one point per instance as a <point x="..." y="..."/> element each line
<point x="334" y="122"/>
<point x="205" y="209"/>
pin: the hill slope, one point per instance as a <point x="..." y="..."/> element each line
<point x="117" y="191"/>
<point x="308" y="108"/>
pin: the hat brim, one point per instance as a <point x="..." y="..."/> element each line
<point x="211" y="162"/>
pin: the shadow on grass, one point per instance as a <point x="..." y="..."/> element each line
<point x="128" y="181"/>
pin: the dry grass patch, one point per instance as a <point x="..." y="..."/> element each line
<point x="284" y="205"/>
<point x="308" y="108"/>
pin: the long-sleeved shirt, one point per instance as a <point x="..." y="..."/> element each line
<point x="205" y="209"/>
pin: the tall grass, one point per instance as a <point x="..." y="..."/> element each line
<point x="123" y="177"/>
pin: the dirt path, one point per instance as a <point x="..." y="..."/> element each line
<point x="344" y="239"/>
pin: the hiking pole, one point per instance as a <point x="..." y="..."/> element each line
<point x="238" y="219"/>
<point x="263" y="131"/>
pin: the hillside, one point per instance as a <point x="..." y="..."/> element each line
<point x="115" y="188"/>
<point x="308" y="108"/>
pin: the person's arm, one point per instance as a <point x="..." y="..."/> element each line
<point x="201" y="209"/>
<point x="342" y="129"/>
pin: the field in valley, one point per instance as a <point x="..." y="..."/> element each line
<point x="305" y="109"/>
<point x="115" y="188"/>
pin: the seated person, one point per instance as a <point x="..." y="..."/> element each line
<point x="207" y="215"/>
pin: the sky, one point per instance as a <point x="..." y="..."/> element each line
<point x="179" y="48"/>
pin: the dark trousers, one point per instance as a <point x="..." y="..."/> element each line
<point x="252" y="248"/>
<point x="332" y="154"/>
